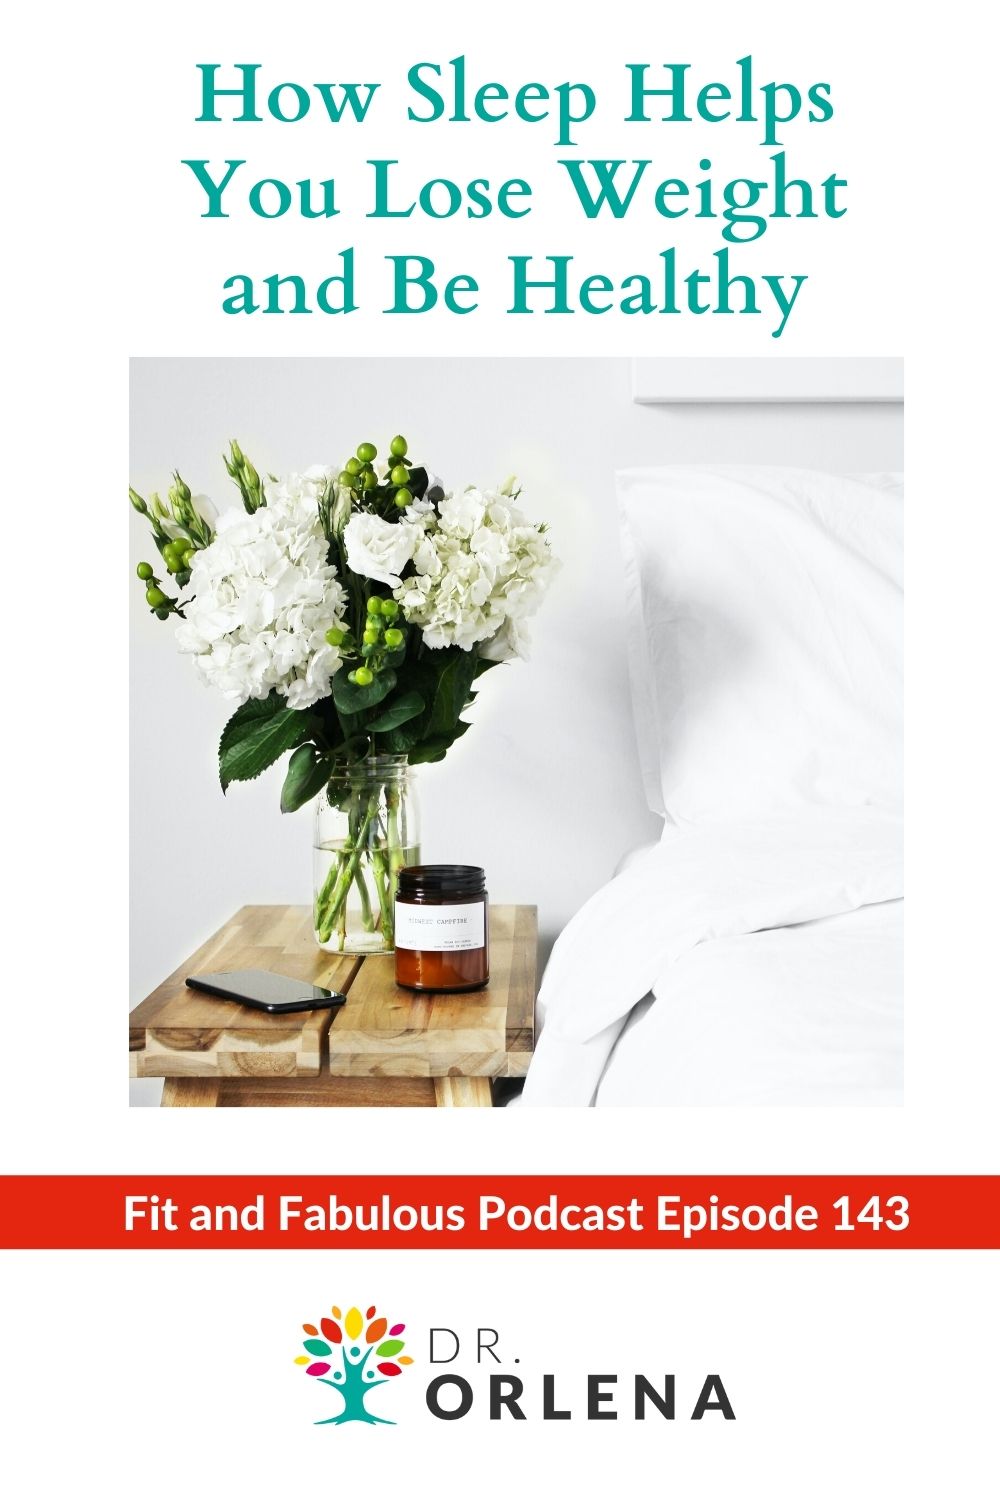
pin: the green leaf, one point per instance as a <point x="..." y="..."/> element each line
<point x="400" y="741"/>
<point x="248" y="713"/>
<point x="451" y="693"/>
<point x="307" y="774"/>
<point x="399" y="711"/>
<point x="351" y="697"/>
<point x="436" y="747"/>
<point x="390" y="1347"/>
<point x="355" y="748"/>
<point x="483" y="664"/>
<point x="257" y="735"/>
<point x="418" y="480"/>
<point x="444" y="680"/>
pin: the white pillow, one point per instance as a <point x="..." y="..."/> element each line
<point x="765" y="637"/>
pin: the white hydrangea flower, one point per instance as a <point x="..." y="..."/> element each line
<point x="481" y="570"/>
<point x="264" y="598"/>
<point x="308" y="486"/>
<point x="379" y="549"/>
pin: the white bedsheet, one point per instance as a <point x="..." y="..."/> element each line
<point x="753" y="962"/>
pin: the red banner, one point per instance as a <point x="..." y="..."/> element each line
<point x="504" y="1212"/>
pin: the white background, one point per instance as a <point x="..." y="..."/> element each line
<point x="110" y="262"/>
<point x="828" y="1400"/>
<point x="180" y="293"/>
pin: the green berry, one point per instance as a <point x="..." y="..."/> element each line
<point x="144" y="571"/>
<point x="403" y="498"/>
<point x="335" y="637"/>
<point x="347" y="479"/>
<point x="352" y="676"/>
<point x="400" y="474"/>
<point x="189" y="556"/>
<point x="372" y="636"/>
<point x="353" y="466"/>
<point x="398" y="447"/>
<point x="369" y="479"/>
<point x="156" y="598"/>
<point x="363" y="676"/>
<point x="374" y="605"/>
<point x="390" y="608"/>
<point x="394" y="637"/>
<point x="367" y="452"/>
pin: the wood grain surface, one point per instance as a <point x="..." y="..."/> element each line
<point x="179" y="1033"/>
<point x="386" y="1046"/>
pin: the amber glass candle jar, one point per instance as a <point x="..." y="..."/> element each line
<point x="442" y="928"/>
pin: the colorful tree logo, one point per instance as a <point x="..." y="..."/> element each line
<point x="340" y="1335"/>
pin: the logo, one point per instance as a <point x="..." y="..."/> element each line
<point x="356" y="1353"/>
<point x="339" y="1353"/>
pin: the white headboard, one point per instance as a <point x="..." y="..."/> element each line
<point x="689" y="381"/>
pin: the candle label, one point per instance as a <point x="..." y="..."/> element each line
<point x="440" y="929"/>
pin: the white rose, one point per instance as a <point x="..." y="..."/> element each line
<point x="206" y="509"/>
<point x="379" y="549"/>
<point x="510" y="641"/>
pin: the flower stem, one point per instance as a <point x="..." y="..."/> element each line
<point x="342" y="926"/>
<point x="367" y="921"/>
<point x="357" y="894"/>
<point x="329" y="909"/>
<point x="395" y="841"/>
<point x="383" y="889"/>
<point x="323" y="897"/>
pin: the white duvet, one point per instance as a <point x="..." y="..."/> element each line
<point x="752" y="962"/>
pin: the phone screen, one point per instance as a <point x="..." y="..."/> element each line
<point x="259" y="987"/>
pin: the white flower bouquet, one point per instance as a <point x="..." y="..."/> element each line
<point x="349" y="614"/>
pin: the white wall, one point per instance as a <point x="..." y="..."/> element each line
<point x="545" y="790"/>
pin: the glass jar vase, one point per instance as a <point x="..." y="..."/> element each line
<point x="367" y="830"/>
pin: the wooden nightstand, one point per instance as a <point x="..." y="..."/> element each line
<point x="386" y="1046"/>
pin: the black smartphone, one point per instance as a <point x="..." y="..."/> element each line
<point x="262" y="990"/>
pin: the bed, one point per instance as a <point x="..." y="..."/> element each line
<point x="753" y="954"/>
